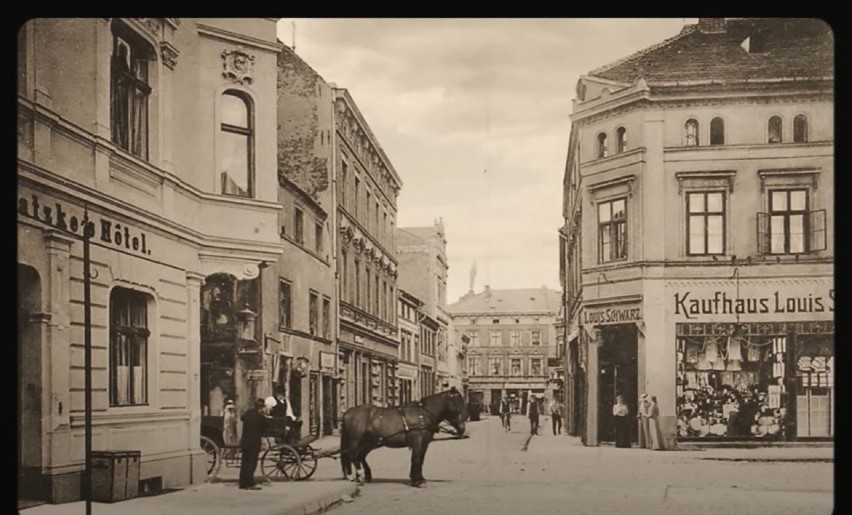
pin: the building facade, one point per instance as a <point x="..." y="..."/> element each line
<point x="697" y="259"/>
<point x="423" y="271"/>
<point x="366" y="194"/>
<point x="116" y="122"/>
<point x="408" y="364"/>
<point x="511" y="335"/>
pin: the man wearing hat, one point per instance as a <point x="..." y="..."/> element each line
<point x="254" y="425"/>
<point x="532" y="412"/>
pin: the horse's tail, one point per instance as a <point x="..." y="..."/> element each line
<point x="345" y="451"/>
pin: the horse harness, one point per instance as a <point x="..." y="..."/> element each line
<point x="407" y="428"/>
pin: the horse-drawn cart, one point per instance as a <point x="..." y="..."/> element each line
<point x="283" y="457"/>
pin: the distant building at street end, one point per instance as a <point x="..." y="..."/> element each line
<point x="696" y="256"/>
<point x="512" y="335"/>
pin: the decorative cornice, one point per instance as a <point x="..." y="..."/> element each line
<point x="626" y="180"/>
<point x="238" y="39"/>
<point x="717" y="175"/>
<point x="811" y="172"/>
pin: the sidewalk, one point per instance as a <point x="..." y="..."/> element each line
<point x="315" y="495"/>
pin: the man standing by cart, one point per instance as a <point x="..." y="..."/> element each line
<point x="254" y="426"/>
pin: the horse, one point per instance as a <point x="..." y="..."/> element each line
<point x="411" y="425"/>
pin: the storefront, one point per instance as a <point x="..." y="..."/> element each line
<point x="754" y="361"/>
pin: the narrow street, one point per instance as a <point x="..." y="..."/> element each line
<point x="489" y="473"/>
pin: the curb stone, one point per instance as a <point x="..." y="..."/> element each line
<point x="323" y="504"/>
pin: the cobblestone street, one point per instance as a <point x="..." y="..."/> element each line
<point x="488" y="473"/>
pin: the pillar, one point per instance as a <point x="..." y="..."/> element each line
<point x="198" y="459"/>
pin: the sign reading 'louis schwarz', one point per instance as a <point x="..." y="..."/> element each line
<point x="605" y="316"/>
<point x="59" y="216"/>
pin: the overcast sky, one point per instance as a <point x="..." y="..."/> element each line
<point x="473" y="114"/>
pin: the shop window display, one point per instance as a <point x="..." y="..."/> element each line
<point x="731" y="386"/>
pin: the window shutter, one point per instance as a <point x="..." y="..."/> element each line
<point x="762" y="233"/>
<point x="816" y="228"/>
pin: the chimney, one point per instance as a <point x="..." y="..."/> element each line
<point x="711" y="25"/>
<point x="487" y="291"/>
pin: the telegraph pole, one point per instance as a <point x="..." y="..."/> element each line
<point x="88" y="230"/>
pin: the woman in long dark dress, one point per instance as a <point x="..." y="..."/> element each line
<point x="620" y="413"/>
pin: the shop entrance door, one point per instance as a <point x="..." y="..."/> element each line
<point x="328" y="405"/>
<point x="617" y="358"/>
<point x="29" y="384"/>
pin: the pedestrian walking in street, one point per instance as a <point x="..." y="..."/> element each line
<point x="533" y="412"/>
<point x="229" y="424"/>
<point x="642" y="416"/>
<point x="254" y="425"/>
<point x="506" y="415"/>
<point x="620" y="414"/>
<point x="556" y="416"/>
<point x="655" y="435"/>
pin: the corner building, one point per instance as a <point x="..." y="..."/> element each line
<point x="161" y="132"/>
<point x="696" y="254"/>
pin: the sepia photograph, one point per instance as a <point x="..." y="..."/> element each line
<point x="498" y="266"/>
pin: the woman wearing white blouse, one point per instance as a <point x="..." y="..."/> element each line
<point x="620" y="411"/>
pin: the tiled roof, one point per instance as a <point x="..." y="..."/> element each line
<point x="526" y="300"/>
<point x="793" y="48"/>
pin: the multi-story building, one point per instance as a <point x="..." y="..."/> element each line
<point x="512" y="335"/>
<point x="423" y="269"/>
<point x="458" y="360"/>
<point x="408" y="365"/>
<point x="158" y="135"/>
<point x="367" y="187"/>
<point x="697" y="252"/>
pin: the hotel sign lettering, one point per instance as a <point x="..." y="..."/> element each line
<point x="611" y="315"/>
<point x="691" y="306"/>
<point x="58" y="215"/>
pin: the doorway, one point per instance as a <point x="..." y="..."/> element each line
<point x="29" y="409"/>
<point x="329" y="409"/>
<point x="618" y="375"/>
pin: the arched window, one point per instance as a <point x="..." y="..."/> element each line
<point x="690" y="130"/>
<point x="800" y="129"/>
<point x="602" y="150"/>
<point x="717" y="131"/>
<point x="621" y="139"/>
<point x="236" y="142"/>
<point x="774" y="129"/>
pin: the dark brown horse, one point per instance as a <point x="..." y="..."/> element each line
<point x="411" y="425"/>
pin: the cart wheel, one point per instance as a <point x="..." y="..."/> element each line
<point x="214" y="456"/>
<point x="308" y="457"/>
<point x="281" y="462"/>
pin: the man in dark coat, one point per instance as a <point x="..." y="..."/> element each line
<point x="254" y="425"/>
<point x="533" y="414"/>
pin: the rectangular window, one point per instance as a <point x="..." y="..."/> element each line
<point x="516" y="338"/>
<point x="357" y="199"/>
<point x="128" y="348"/>
<point x="367" y="205"/>
<point x="368" y="292"/>
<point x="318" y="243"/>
<point x="285" y="305"/>
<point x="494" y="366"/>
<point x="705" y="223"/>
<point x="516" y="366"/>
<point x="344" y="174"/>
<point x="129" y="91"/>
<point x="474" y="338"/>
<point x="376" y="300"/>
<point x="474" y="367"/>
<point x="495" y="338"/>
<point x="788" y="217"/>
<point x="358" y="283"/>
<point x="313" y="311"/>
<point x="326" y="318"/>
<point x="535" y="367"/>
<point x="536" y="337"/>
<point x="612" y="229"/>
<point x="298" y="226"/>
<point x="378" y="225"/>
<point x="344" y="272"/>
<point x="385" y="297"/>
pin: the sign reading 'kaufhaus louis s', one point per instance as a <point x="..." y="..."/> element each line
<point x="691" y="305"/>
<point x="71" y="219"/>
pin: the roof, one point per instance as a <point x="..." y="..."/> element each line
<point x="515" y="301"/>
<point x="793" y="48"/>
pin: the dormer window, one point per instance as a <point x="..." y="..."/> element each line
<point x="690" y="133"/>
<point x="602" y="148"/>
<point x="774" y="129"/>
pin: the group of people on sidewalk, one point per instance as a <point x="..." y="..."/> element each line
<point x="648" y="416"/>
